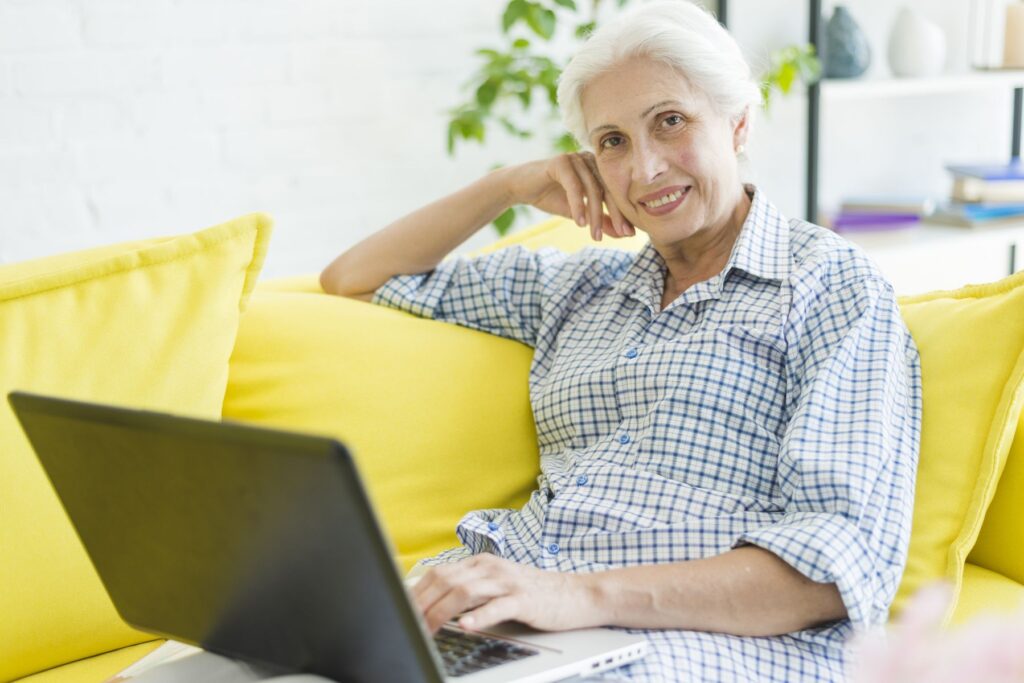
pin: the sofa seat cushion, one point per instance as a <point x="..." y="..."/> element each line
<point x="96" y="668"/>
<point x="147" y="324"/>
<point x="437" y="416"/>
<point x="984" y="591"/>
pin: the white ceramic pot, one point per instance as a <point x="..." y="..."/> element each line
<point x="917" y="47"/>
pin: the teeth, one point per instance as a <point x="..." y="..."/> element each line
<point x="667" y="199"/>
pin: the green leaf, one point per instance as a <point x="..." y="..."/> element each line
<point x="541" y="20"/>
<point x="503" y="222"/>
<point x="487" y="92"/>
<point x="521" y="43"/>
<point x="787" y="74"/>
<point x="567" y="3"/>
<point x="526" y="96"/>
<point x="622" y="3"/>
<point x="487" y="52"/>
<point x="513" y="129"/>
<point x="566" y="143"/>
<point x="584" y="30"/>
<point x="451" y="138"/>
<point x="515" y="11"/>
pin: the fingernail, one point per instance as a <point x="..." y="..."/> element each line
<point x="579" y="221"/>
<point x="466" y="622"/>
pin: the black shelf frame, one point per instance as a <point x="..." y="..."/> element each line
<point x="814" y="112"/>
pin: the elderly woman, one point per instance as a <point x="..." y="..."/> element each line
<point x="728" y="420"/>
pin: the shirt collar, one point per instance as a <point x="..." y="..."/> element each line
<point x="762" y="250"/>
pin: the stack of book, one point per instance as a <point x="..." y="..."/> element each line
<point x="990" y="194"/>
<point x="881" y="213"/>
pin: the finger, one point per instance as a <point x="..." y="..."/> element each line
<point x="461" y="598"/>
<point x="438" y="581"/>
<point x="566" y="176"/>
<point x="618" y="221"/>
<point x="595" y="196"/>
<point x="493" y="612"/>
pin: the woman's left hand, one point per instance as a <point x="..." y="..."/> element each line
<point x="490" y="590"/>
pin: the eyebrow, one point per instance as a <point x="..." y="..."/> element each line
<point x="642" y="116"/>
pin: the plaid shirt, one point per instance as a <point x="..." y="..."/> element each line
<point x="775" y="404"/>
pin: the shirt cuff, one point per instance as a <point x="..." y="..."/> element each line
<point x="417" y="294"/>
<point x="826" y="548"/>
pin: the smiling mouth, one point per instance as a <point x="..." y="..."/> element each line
<point x="667" y="199"/>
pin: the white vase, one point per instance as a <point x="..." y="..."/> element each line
<point x="917" y="47"/>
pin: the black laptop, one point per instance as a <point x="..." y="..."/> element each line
<point x="262" y="545"/>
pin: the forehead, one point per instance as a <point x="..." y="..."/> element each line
<point x="622" y="94"/>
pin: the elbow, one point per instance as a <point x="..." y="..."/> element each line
<point x="330" y="282"/>
<point x="327" y="281"/>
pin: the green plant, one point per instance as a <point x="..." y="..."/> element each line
<point x="786" y="65"/>
<point x="519" y="77"/>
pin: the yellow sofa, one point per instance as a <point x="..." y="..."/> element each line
<point x="439" y="420"/>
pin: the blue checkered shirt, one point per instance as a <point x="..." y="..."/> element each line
<point x="775" y="404"/>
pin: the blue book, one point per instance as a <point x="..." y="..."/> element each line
<point x="980" y="212"/>
<point x="1011" y="171"/>
<point x="959" y="213"/>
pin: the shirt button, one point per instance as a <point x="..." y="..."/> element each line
<point x="553" y="548"/>
<point x="581" y="480"/>
<point x="624" y="439"/>
<point x="631" y="353"/>
<point x="493" y="526"/>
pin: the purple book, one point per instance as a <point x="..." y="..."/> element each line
<point x="1011" y="171"/>
<point x="869" y="221"/>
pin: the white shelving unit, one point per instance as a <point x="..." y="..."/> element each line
<point x="931" y="256"/>
<point x="934" y="256"/>
<point x="835" y="90"/>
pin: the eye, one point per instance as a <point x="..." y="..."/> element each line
<point x="679" y="119"/>
<point x="605" y="142"/>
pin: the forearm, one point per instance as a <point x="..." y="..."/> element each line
<point x="747" y="591"/>
<point x="419" y="241"/>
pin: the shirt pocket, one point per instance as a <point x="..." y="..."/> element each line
<point x="718" y="424"/>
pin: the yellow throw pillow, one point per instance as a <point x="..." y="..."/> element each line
<point x="971" y="343"/>
<point x="424" y="406"/>
<point x="147" y="324"/>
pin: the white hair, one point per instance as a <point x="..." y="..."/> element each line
<point x="677" y="33"/>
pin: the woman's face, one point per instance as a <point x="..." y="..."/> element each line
<point x="654" y="135"/>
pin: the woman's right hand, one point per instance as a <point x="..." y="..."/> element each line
<point x="569" y="185"/>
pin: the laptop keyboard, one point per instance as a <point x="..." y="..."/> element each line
<point x="464" y="653"/>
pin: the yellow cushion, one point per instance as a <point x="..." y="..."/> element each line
<point x="148" y="324"/>
<point x="1000" y="545"/>
<point x="986" y="591"/>
<point x="424" y="406"/>
<point x="96" y="668"/>
<point x="971" y="343"/>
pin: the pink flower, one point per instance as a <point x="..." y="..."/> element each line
<point x="989" y="648"/>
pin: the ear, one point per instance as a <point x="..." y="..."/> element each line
<point x="741" y="128"/>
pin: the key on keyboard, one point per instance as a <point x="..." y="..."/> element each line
<point x="463" y="653"/>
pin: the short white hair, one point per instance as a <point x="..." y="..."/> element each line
<point x="677" y="33"/>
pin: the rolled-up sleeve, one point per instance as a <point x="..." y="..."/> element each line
<point x="502" y="293"/>
<point x="848" y="458"/>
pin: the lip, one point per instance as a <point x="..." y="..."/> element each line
<point x="662" y="210"/>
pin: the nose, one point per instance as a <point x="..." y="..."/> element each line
<point x="648" y="162"/>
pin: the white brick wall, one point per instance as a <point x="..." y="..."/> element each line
<point x="121" y="119"/>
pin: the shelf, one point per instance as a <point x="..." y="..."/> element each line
<point x="840" y="89"/>
<point x="927" y="233"/>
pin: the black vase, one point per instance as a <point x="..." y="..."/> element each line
<point x="846" y="52"/>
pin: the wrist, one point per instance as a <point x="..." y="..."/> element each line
<point x="506" y="179"/>
<point x="595" y="600"/>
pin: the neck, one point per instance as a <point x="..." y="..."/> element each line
<point x="704" y="254"/>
